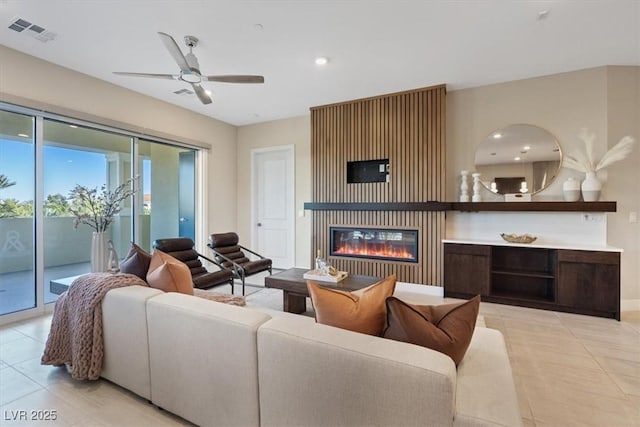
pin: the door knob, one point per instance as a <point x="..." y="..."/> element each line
<point x="182" y="219"/>
<point x="259" y="224"/>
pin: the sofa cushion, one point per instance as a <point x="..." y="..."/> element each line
<point x="316" y="375"/>
<point x="359" y="311"/>
<point x="126" y="347"/>
<point x="168" y="274"/>
<point x="485" y="391"/>
<point x="136" y="262"/>
<point x="446" y="328"/>
<point x="204" y="360"/>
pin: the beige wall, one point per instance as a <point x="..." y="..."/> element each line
<point x="293" y="131"/>
<point x="623" y="117"/>
<point x="61" y="88"/>
<point x="603" y="99"/>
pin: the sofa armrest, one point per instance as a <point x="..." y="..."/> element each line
<point x="126" y="344"/>
<point x="486" y="394"/>
<point x="312" y="374"/>
<point x="203" y="359"/>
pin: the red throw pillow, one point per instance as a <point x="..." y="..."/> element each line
<point x="446" y="328"/>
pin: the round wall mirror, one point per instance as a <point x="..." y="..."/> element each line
<point x="518" y="159"/>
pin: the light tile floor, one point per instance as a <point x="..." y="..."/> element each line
<point x="568" y="370"/>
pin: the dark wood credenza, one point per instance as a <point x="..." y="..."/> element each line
<point x="574" y="281"/>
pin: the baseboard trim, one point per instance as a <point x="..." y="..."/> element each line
<point x="630" y="305"/>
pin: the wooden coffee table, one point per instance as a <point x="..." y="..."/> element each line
<point x="294" y="287"/>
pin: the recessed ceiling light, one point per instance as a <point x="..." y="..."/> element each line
<point x="24" y="135"/>
<point x="497" y="135"/>
<point x="543" y="14"/>
<point x="258" y="27"/>
<point x="321" y="60"/>
<point x="516" y="158"/>
<point x="73" y="126"/>
<point x="526" y="147"/>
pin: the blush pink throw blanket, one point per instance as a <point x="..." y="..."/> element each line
<point x="75" y="338"/>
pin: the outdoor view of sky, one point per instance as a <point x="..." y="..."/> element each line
<point x="63" y="169"/>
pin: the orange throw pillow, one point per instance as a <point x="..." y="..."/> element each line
<point x="359" y="311"/>
<point x="169" y="274"/>
<point x="447" y="328"/>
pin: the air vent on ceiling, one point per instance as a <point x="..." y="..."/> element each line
<point x="37" y="32"/>
<point x="183" y="92"/>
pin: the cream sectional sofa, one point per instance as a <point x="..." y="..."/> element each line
<point x="216" y="364"/>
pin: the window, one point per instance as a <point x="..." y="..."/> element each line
<point x="39" y="246"/>
<point x="17" y="195"/>
<point x="78" y="155"/>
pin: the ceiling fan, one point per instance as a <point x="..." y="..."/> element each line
<point x="190" y="69"/>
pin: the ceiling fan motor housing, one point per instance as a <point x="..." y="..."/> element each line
<point x="194" y="76"/>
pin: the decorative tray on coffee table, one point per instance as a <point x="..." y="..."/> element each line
<point x="318" y="275"/>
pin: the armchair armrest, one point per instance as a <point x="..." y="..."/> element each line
<point x="237" y="268"/>
<point x="211" y="261"/>
<point x="254" y="253"/>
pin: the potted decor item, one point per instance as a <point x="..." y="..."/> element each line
<point x="571" y="190"/>
<point x="585" y="162"/>
<point x="97" y="209"/>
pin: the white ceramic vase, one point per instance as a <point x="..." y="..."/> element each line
<point x="571" y="190"/>
<point x="99" y="252"/>
<point x="591" y="187"/>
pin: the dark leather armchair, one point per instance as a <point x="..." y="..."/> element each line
<point x="182" y="249"/>
<point x="229" y="254"/>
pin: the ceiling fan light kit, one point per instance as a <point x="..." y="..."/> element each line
<point x="190" y="69"/>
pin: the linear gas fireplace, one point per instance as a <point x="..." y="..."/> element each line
<point x="374" y="243"/>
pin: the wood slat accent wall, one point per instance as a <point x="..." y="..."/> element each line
<point x="408" y="128"/>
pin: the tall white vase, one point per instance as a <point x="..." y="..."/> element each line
<point x="591" y="187"/>
<point x="99" y="252"/>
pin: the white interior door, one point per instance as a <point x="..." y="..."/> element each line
<point x="273" y="205"/>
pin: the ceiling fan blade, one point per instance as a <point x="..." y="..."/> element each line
<point x="155" y="76"/>
<point x="175" y="51"/>
<point x="202" y="95"/>
<point x="234" y="79"/>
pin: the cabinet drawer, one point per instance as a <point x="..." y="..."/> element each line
<point x="461" y="249"/>
<point x="590" y="257"/>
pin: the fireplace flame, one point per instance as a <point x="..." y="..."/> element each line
<point x="374" y="251"/>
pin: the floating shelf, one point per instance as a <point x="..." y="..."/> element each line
<point x="410" y="206"/>
<point x="534" y="206"/>
<point x="466" y="207"/>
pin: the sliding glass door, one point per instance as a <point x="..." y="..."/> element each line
<point x="17" y="195"/>
<point x="74" y="155"/>
<point x="42" y="158"/>
<point x="168" y="187"/>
